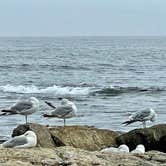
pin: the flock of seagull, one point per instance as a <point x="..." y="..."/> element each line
<point x="124" y="148"/>
<point x="66" y="109"/>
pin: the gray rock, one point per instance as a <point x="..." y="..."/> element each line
<point x="84" y="137"/>
<point x="153" y="138"/>
<point x="66" y="156"/>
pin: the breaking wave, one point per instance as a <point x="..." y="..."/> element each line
<point x="117" y="90"/>
<point x="52" y="89"/>
<point x="78" y="90"/>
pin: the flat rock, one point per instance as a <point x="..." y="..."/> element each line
<point x="69" y="156"/>
<point x="83" y="137"/>
<point x="153" y="138"/>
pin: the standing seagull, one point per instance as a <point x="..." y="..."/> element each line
<point x="23" y="107"/>
<point x="66" y="109"/>
<point x="142" y="116"/>
<point x="27" y="140"/>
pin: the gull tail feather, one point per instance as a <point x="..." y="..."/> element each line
<point x="128" y="122"/>
<point x="58" y="116"/>
<point x="50" y="104"/>
<point x="47" y="115"/>
<point x="7" y="112"/>
<point x="3" y="114"/>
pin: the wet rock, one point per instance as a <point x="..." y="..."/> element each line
<point x="84" y="137"/>
<point x="162" y="144"/>
<point x="153" y="138"/>
<point x="43" y="135"/>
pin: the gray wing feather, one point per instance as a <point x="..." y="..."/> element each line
<point x="141" y="115"/>
<point x="22" y="105"/>
<point x="16" y="141"/>
<point x="61" y="110"/>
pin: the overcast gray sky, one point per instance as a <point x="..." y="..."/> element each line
<point x="82" y="17"/>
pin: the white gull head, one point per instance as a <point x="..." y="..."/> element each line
<point x="35" y="101"/>
<point x="66" y="101"/>
<point x="153" y="115"/>
<point x="139" y="149"/>
<point x="31" y="137"/>
<point x="123" y="148"/>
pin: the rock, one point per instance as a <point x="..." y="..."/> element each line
<point x="69" y="156"/>
<point x="29" y="157"/>
<point x="77" y="136"/>
<point x="162" y="144"/>
<point x="83" y="137"/>
<point x="153" y="138"/>
<point x="43" y="135"/>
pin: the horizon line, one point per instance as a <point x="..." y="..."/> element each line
<point x="81" y="36"/>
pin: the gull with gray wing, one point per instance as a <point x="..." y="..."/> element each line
<point x="142" y="116"/>
<point x="27" y="140"/>
<point x="65" y="110"/>
<point x="23" y="107"/>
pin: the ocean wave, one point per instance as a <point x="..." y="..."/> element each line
<point x="117" y="90"/>
<point x="82" y="89"/>
<point x="52" y="89"/>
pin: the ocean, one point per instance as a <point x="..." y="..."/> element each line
<point x="108" y="78"/>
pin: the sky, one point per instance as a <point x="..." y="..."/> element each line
<point x="82" y="17"/>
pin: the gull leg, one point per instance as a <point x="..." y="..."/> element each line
<point x="26" y="119"/>
<point x="64" y="122"/>
<point x="144" y="124"/>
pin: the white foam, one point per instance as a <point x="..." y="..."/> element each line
<point x="52" y="89"/>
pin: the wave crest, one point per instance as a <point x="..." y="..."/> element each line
<point x="78" y="90"/>
<point x="52" y="89"/>
<point x="113" y="91"/>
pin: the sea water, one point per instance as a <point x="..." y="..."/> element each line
<point x="108" y="78"/>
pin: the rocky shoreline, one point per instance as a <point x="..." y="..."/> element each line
<point x="81" y="145"/>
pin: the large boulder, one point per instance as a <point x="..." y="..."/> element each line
<point x="77" y="136"/>
<point x="84" y="137"/>
<point x="69" y="156"/>
<point x="153" y="138"/>
<point x="44" y="138"/>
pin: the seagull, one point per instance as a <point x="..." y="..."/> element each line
<point x="122" y="148"/>
<point x="23" y="107"/>
<point x="109" y="150"/>
<point x="66" y="109"/>
<point x="27" y="140"/>
<point x="139" y="149"/>
<point x="142" y="116"/>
